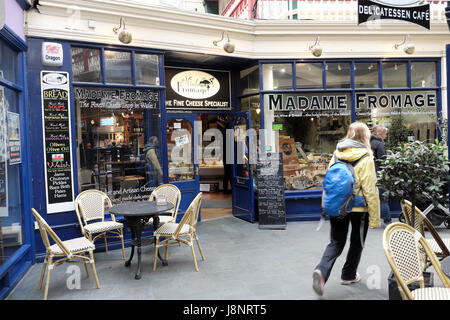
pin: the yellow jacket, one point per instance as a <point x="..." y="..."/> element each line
<point x="365" y="176"/>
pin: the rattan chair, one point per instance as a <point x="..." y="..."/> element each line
<point x="175" y="233"/>
<point x="173" y="196"/>
<point x="402" y="246"/>
<point x="440" y="246"/>
<point x="90" y="207"/>
<point x="63" y="251"/>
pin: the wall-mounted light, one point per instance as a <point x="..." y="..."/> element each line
<point x="228" y="46"/>
<point x="408" y="47"/>
<point x="316" y="49"/>
<point x="123" y="34"/>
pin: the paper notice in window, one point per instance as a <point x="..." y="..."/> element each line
<point x="181" y="140"/>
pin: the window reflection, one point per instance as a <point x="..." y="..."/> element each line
<point x="309" y="75"/>
<point x="119" y="141"/>
<point x="147" y="71"/>
<point x="118" y="66"/>
<point x="423" y="74"/>
<point x="394" y="74"/>
<point x="337" y="74"/>
<point x="366" y="75"/>
<point x="277" y="76"/>
<point x="86" y="65"/>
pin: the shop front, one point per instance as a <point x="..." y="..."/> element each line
<point x="176" y="109"/>
<point x="307" y="106"/>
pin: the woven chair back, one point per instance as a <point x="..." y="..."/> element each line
<point x="419" y="218"/>
<point x="196" y="204"/>
<point x="187" y="217"/>
<point x="46" y="230"/>
<point x="91" y="205"/>
<point x="172" y="195"/>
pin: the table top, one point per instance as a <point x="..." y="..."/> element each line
<point x="445" y="265"/>
<point x="139" y="208"/>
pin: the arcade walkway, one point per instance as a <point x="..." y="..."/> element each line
<point x="242" y="262"/>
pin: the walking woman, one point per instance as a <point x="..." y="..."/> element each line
<point x="353" y="147"/>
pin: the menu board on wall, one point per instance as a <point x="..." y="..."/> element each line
<point x="270" y="183"/>
<point x="188" y="90"/>
<point x="57" y="137"/>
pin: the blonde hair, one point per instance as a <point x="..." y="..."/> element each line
<point x="379" y="129"/>
<point x="358" y="131"/>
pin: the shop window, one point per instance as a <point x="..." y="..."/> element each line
<point x="252" y="103"/>
<point x="179" y="150"/>
<point x="119" y="141"/>
<point x="366" y="75"/>
<point x="407" y="114"/>
<point x="277" y="76"/>
<point x="147" y="69"/>
<point x="118" y="67"/>
<point x="309" y="75"/>
<point x="337" y="75"/>
<point x="8" y="65"/>
<point x="249" y="80"/>
<point x="11" y="216"/>
<point x="305" y="127"/>
<point x="394" y="74"/>
<point x="423" y="74"/>
<point x="86" y="65"/>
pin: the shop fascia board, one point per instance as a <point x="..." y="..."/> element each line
<point x="172" y="18"/>
<point x="253" y="39"/>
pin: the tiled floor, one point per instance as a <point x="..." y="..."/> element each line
<point x="242" y="262"/>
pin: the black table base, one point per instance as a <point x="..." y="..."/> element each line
<point x="136" y="225"/>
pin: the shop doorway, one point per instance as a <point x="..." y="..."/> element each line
<point x="215" y="175"/>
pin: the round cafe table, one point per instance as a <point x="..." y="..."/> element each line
<point x="137" y="215"/>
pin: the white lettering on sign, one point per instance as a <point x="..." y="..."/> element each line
<point x="52" y="54"/>
<point x="280" y="102"/>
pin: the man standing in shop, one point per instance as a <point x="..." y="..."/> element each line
<point x="152" y="159"/>
<point x="222" y="125"/>
<point x="379" y="133"/>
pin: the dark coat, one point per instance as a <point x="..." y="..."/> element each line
<point x="378" y="148"/>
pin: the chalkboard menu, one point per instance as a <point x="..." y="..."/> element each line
<point x="270" y="184"/>
<point x="57" y="137"/>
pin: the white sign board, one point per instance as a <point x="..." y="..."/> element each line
<point x="52" y="54"/>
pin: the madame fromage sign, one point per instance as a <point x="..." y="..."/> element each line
<point x="197" y="90"/>
<point x="308" y="105"/>
<point x="404" y="10"/>
<point x="338" y="104"/>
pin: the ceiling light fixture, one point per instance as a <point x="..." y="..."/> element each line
<point x="228" y="46"/>
<point x="123" y="34"/>
<point x="408" y="47"/>
<point x="316" y="49"/>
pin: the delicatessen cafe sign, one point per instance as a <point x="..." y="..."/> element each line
<point x="339" y="104"/>
<point x="188" y="90"/>
<point x="394" y="10"/>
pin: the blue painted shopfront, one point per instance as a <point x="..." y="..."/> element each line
<point x="301" y="205"/>
<point x="16" y="233"/>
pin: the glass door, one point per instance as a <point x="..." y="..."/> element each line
<point x="182" y="136"/>
<point x="242" y="180"/>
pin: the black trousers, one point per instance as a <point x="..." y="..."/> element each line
<point x="338" y="238"/>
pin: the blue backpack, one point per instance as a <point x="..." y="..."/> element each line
<point x="337" y="197"/>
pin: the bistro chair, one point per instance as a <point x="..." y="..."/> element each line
<point x="175" y="233"/>
<point x="173" y="196"/>
<point x="402" y="246"/>
<point x="440" y="246"/>
<point x="63" y="251"/>
<point x="89" y="207"/>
